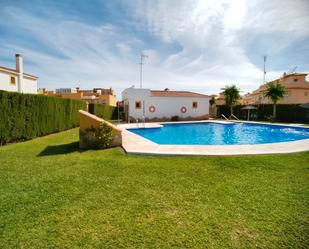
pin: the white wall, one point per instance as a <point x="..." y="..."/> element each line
<point x="171" y="106"/>
<point x="28" y="86"/>
<point x="130" y="96"/>
<point x="165" y="106"/>
<point x="5" y="83"/>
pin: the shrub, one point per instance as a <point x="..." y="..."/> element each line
<point x="174" y="118"/>
<point x="285" y="112"/>
<point x="270" y="118"/>
<point x="98" y="138"/>
<point x="105" y="111"/>
<point x="25" y="116"/>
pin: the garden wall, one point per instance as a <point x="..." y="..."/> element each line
<point x="90" y="121"/>
<point x="25" y="116"/>
<point x="285" y="113"/>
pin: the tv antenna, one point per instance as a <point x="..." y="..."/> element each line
<point x="293" y="70"/>
<point x="143" y="57"/>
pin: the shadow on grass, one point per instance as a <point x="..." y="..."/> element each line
<point x="60" y="149"/>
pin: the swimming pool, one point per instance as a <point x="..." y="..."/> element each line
<point x="211" y="133"/>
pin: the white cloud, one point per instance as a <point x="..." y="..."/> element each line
<point x="287" y="16"/>
<point x="208" y="31"/>
<point x="210" y="36"/>
<point x="91" y="56"/>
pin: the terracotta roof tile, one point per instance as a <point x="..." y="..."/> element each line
<point x="295" y="74"/>
<point x="157" y="93"/>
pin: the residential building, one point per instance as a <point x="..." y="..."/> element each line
<point x="96" y="95"/>
<point x="46" y="92"/>
<point x="66" y="90"/>
<point x="140" y="103"/>
<point x="15" y="80"/>
<point x="220" y="99"/>
<point x="297" y="91"/>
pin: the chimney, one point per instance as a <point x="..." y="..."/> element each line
<point x="19" y="63"/>
<point x="20" y="71"/>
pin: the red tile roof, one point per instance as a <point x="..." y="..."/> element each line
<point x="157" y="93"/>
<point x="295" y="74"/>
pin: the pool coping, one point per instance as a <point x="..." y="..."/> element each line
<point x="135" y="144"/>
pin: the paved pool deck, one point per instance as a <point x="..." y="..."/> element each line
<point x="135" y="144"/>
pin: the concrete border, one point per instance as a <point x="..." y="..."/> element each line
<point x="135" y="144"/>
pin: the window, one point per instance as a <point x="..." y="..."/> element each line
<point x="306" y="94"/>
<point x="194" y="105"/>
<point x="295" y="80"/>
<point x="12" y="80"/>
<point x="138" y="104"/>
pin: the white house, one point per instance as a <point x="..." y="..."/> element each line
<point x="15" y="80"/>
<point x="142" y="103"/>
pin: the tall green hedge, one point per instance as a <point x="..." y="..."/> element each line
<point x="105" y="111"/>
<point x="285" y="113"/>
<point x="25" y="116"/>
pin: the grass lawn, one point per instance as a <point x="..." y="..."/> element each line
<point x="54" y="196"/>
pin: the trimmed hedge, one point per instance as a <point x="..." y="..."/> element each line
<point x="285" y="113"/>
<point x="105" y="111"/>
<point x="25" y="116"/>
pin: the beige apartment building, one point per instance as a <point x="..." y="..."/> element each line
<point x="221" y="101"/>
<point x="96" y="95"/>
<point x="297" y="91"/>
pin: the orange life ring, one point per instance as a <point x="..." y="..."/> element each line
<point x="152" y="109"/>
<point x="183" y="109"/>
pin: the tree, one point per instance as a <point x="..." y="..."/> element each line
<point x="212" y="109"/>
<point x="275" y="91"/>
<point x="212" y="100"/>
<point x="231" y="96"/>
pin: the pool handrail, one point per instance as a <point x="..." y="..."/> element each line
<point x="224" y="117"/>
<point x="234" y="117"/>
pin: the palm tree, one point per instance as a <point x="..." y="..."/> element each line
<point x="231" y="96"/>
<point x="275" y="91"/>
<point x="212" y="100"/>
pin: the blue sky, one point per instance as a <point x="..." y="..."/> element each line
<point x="195" y="45"/>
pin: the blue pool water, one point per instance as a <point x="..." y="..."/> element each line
<point x="221" y="134"/>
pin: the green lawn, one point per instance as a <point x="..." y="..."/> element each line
<point x="54" y="196"/>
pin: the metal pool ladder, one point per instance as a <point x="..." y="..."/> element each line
<point x="234" y="117"/>
<point x="224" y="117"/>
